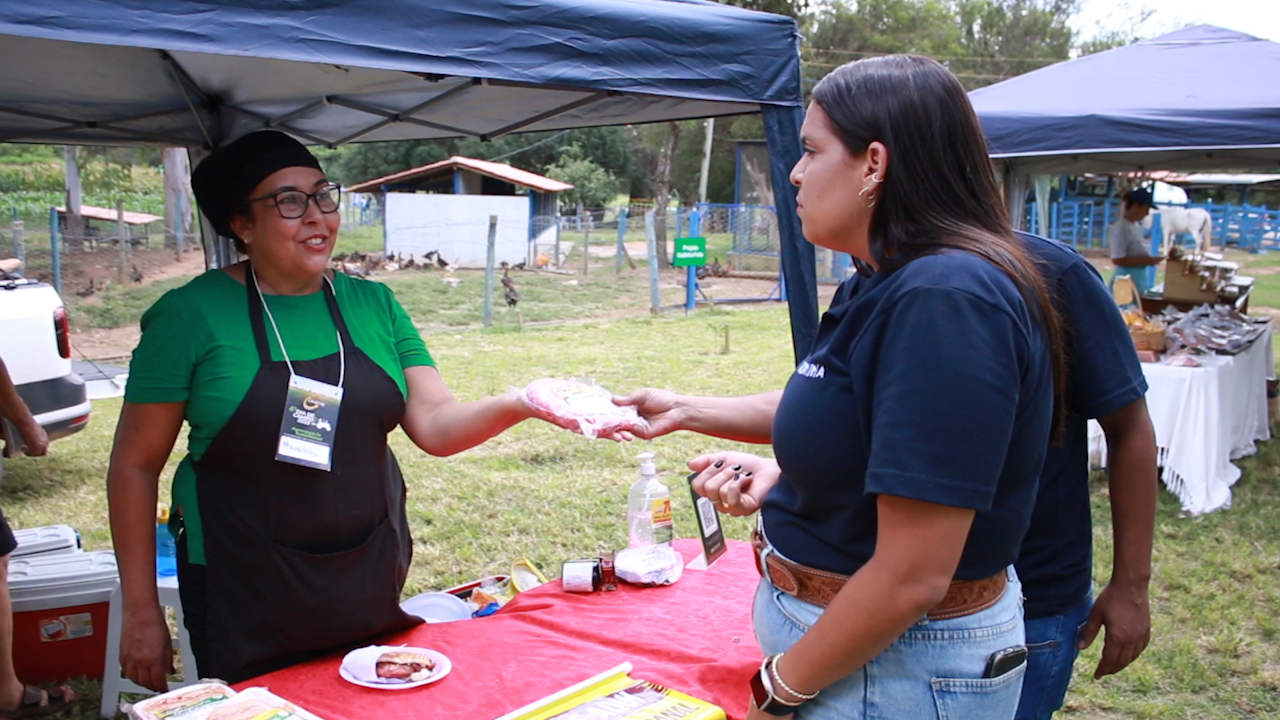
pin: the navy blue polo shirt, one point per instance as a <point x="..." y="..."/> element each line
<point x="1104" y="376"/>
<point x="931" y="383"/>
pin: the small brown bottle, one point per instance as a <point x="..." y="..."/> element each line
<point x="608" y="578"/>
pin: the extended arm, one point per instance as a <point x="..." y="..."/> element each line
<point x="441" y="425"/>
<point x="144" y="439"/>
<point x="1122" y="606"/>
<point x="747" y="418"/>
<point x="34" y="439"/>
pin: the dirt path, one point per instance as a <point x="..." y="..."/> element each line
<point x="86" y="274"/>
<point x="100" y="269"/>
<point x="105" y="343"/>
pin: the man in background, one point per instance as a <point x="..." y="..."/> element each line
<point x="1128" y="248"/>
<point x="1104" y="382"/>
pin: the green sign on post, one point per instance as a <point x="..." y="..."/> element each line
<point x="690" y="252"/>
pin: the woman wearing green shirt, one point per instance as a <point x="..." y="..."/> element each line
<point x="292" y="534"/>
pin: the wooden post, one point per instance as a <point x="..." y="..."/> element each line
<point x="586" y="247"/>
<point x="555" y="261"/>
<point x="622" y="231"/>
<point x="180" y="242"/>
<point x="74" y="229"/>
<point x="19" y="249"/>
<point x="488" y="271"/>
<point x="650" y="239"/>
<point x="122" y="241"/>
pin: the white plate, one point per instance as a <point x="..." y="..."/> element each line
<point x="443" y="666"/>
<point x="437" y="607"/>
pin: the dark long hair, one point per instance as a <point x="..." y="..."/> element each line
<point x="939" y="190"/>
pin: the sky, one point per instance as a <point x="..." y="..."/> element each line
<point x="1260" y="18"/>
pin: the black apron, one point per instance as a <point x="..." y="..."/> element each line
<point x="301" y="562"/>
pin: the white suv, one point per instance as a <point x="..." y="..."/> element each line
<point x="35" y="343"/>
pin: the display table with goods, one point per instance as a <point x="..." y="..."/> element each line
<point x="1207" y="396"/>
<point x="694" y="637"/>
<point x="1193" y="278"/>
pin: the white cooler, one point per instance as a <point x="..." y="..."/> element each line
<point x="61" y="604"/>
<point x="48" y="540"/>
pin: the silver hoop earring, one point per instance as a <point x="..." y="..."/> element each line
<point x="869" y="189"/>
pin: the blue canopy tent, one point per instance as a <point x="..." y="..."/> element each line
<point x="199" y="73"/>
<point x="1199" y="99"/>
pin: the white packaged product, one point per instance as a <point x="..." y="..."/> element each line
<point x="652" y="565"/>
<point x="215" y="701"/>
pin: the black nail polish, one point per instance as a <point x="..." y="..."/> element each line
<point x="736" y="468"/>
<point x="719" y="464"/>
<point x="746" y="475"/>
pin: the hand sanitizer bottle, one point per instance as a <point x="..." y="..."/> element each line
<point x="648" y="508"/>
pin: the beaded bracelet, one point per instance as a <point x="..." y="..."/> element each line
<point x="773" y="672"/>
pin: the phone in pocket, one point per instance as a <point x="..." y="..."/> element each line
<point x="1006" y="660"/>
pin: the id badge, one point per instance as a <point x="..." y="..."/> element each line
<point x="310" y="418"/>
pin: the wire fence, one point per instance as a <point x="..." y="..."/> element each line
<point x="97" y="253"/>
<point x="112" y="242"/>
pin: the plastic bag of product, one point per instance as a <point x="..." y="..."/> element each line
<point x="212" y="700"/>
<point x="652" y="565"/>
<point x="188" y="703"/>
<point x="582" y="407"/>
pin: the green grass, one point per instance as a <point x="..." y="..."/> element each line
<point x="541" y="493"/>
<point x="544" y="297"/>
<point x="363" y="239"/>
<point x="119" y="305"/>
<point x="1214" y="594"/>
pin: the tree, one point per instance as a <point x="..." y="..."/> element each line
<point x="594" y="186"/>
<point x="662" y="140"/>
<point x="610" y="148"/>
<point x="1010" y="37"/>
<point x="1115" y="33"/>
<point x="792" y="8"/>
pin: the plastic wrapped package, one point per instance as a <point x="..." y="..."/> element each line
<point x="652" y="565"/>
<point x="582" y="407"/>
<point x="213" y="700"/>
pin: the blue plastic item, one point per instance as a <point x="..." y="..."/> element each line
<point x="166" y="552"/>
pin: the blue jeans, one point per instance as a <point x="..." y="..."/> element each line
<point x="1051" y="651"/>
<point x="934" y="670"/>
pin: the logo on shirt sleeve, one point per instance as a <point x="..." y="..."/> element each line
<point x="811" y="370"/>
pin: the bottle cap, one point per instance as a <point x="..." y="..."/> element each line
<point x="647" y="466"/>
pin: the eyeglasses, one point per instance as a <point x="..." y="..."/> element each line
<point x="292" y="204"/>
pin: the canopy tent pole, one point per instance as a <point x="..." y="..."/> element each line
<point x="1016" y="184"/>
<point x="799" y="270"/>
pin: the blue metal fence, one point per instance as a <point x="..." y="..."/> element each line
<point x="754" y="229"/>
<point x="1083" y="224"/>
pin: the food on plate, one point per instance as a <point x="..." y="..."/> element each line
<point x="404" y="665"/>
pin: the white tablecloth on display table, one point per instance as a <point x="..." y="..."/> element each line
<point x="1204" y="418"/>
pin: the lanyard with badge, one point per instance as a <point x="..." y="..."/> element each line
<point x="310" y="408"/>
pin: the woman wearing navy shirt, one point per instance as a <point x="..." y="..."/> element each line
<point x="909" y="441"/>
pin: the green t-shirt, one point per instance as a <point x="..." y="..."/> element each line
<point x="197" y="347"/>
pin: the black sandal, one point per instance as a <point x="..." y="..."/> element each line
<point x="35" y="704"/>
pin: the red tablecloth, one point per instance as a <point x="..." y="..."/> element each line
<point x="694" y="636"/>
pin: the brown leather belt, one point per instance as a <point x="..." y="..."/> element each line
<point x="818" y="587"/>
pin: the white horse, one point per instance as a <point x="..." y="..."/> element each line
<point x="1175" y="219"/>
